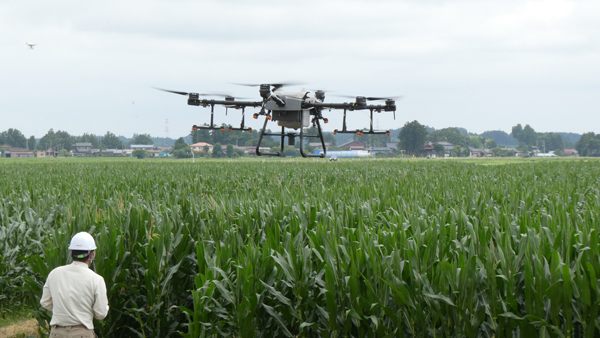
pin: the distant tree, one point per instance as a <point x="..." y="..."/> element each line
<point x="412" y="137"/>
<point x="517" y="132"/>
<point x="230" y="151"/>
<point x="31" y="143"/>
<point x="588" y="145"/>
<point x="142" y="139"/>
<point x="290" y="151"/>
<point x="456" y="150"/>
<point x="217" y="151"/>
<point x="550" y="141"/>
<point x="450" y="135"/>
<point x="180" y="144"/>
<point x="500" y="137"/>
<point x="111" y="141"/>
<point x="490" y="144"/>
<point x="206" y="149"/>
<point x="56" y="140"/>
<point x="140" y="153"/>
<point x="308" y="149"/>
<point x="182" y="153"/>
<point x="475" y="142"/>
<point x="526" y="135"/>
<point x="13" y="138"/>
<point x="439" y="149"/>
<point x="239" y="152"/>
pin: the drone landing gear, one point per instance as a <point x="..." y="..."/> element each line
<point x="291" y="140"/>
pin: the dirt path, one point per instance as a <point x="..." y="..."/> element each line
<point x="29" y="328"/>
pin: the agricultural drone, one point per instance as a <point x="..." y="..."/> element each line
<point x="291" y="110"/>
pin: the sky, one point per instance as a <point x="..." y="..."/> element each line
<point x="480" y="65"/>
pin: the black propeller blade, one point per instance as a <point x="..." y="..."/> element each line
<point x="274" y="85"/>
<point x="371" y="98"/>
<point x="225" y="96"/>
<point x="172" y="91"/>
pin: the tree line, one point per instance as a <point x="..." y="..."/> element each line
<point x="413" y="137"/>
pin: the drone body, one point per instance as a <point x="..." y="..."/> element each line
<point x="31" y="45"/>
<point x="291" y="110"/>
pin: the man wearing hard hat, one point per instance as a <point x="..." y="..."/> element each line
<point x="74" y="293"/>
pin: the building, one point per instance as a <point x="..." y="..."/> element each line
<point x="392" y="145"/>
<point x="352" y="145"/>
<point x="18" y="154"/>
<point x="153" y="153"/>
<point x="47" y="153"/>
<point x="319" y="146"/>
<point x="84" y="149"/>
<point x="200" y="146"/>
<point x="447" y="146"/>
<point x="346" y="153"/>
<point x="12" y="152"/>
<point x="112" y="153"/>
<point x="570" y="152"/>
<point x="477" y="152"/>
<point x="142" y="147"/>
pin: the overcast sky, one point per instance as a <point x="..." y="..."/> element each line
<point x="481" y="65"/>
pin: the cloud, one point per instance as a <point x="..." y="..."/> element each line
<point x="455" y="61"/>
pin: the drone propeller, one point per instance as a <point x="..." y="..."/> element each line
<point x="274" y="85"/>
<point x="172" y="91"/>
<point x="370" y="98"/>
<point x="225" y="96"/>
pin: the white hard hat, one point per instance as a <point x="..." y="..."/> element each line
<point x="82" y="241"/>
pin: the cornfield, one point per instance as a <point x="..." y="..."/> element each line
<point x="314" y="249"/>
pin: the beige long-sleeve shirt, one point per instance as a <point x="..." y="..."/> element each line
<point x="75" y="295"/>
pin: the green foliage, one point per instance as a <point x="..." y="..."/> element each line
<point x="56" y="140"/>
<point x="588" y="145"/>
<point x="525" y="135"/>
<point x="230" y="151"/>
<point x="180" y="144"/>
<point x="451" y="135"/>
<point x="310" y="249"/>
<point x="140" y="153"/>
<point x="500" y="137"/>
<point x="142" y="139"/>
<point x="13" y="138"/>
<point x="111" y="141"/>
<point x="412" y="137"/>
<point x="217" y="151"/>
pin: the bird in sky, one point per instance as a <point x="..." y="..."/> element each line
<point x="31" y="45"/>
